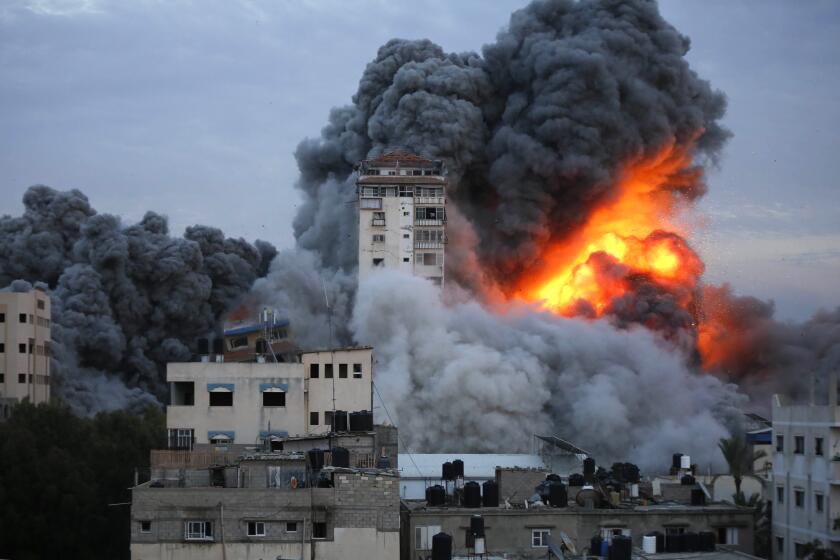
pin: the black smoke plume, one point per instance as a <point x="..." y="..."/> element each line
<point x="125" y="299"/>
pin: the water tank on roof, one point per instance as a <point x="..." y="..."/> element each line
<point x="203" y="346"/>
<point x="458" y="468"/>
<point x="595" y="545"/>
<point x="621" y="548"/>
<point x="316" y="459"/>
<point x="676" y="460"/>
<point x="477" y="526"/>
<point x="687" y="480"/>
<point x="361" y="421"/>
<point x="437" y="495"/>
<point x="692" y="542"/>
<point x="472" y="495"/>
<point x="589" y="470"/>
<point x="649" y="544"/>
<point x="218" y="346"/>
<point x="660" y="540"/>
<point x="707" y="541"/>
<point x="446" y="471"/>
<point x="554" y="477"/>
<point x="698" y="497"/>
<point x="383" y="462"/>
<point x="685" y="462"/>
<point x="442" y="547"/>
<point x="340" y="421"/>
<point x="490" y="494"/>
<point x="557" y="495"/>
<point x="340" y="457"/>
<point x="261" y="346"/>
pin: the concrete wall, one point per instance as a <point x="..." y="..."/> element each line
<point x="517" y="485"/>
<point x="509" y="531"/>
<point x="32" y="364"/>
<point x="811" y="474"/>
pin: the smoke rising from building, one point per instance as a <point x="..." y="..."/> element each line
<point x="125" y="299"/>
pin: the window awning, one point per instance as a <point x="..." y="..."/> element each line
<point x="220" y="435"/>
<point x="274" y="387"/>
<point x="274" y="435"/>
<point x="220" y="387"/>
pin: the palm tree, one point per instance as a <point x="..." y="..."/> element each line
<point x="740" y="457"/>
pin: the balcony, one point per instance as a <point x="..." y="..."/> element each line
<point x="834" y="471"/>
<point x="428" y="245"/>
<point x="429" y="200"/>
<point x="376" y="222"/>
<point x="429" y="222"/>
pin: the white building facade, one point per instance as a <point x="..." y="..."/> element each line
<point x="806" y="475"/>
<point x="402" y="215"/>
<point x="24" y="348"/>
<point x="247" y="403"/>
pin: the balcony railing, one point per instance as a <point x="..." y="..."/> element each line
<point x="429" y="200"/>
<point x="428" y="245"/>
<point x="377" y="222"/>
<point x="425" y="222"/>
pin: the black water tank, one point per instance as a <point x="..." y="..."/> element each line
<point x="595" y="545"/>
<point x="660" y="540"/>
<point x="366" y="420"/>
<point x="621" y="548"/>
<point x="261" y="346"/>
<point x="203" y="346"/>
<point x="687" y="480"/>
<point x="355" y="422"/>
<point x="472" y="494"/>
<point x="340" y="457"/>
<point x="446" y="471"/>
<point x="554" y="477"/>
<point x="557" y="495"/>
<point x="707" y="541"/>
<point x="324" y="482"/>
<point x="576" y="479"/>
<point x="316" y="459"/>
<point x="698" y="497"/>
<point x="692" y="542"/>
<point x="676" y="460"/>
<point x="490" y="494"/>
<point x="589" y="470"/>
<point x="218" y="346"/>
<point x="437" y="495"/>
<point x="340" y="421"/>
<point x="442" y="547"/>
<point x="457" y="468"/>
<point x="477" y="526"/>
<point x="383" y="462"/>
<point x="429" y="495"/>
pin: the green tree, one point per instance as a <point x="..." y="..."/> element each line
<point x="739" y="456"/>
<point x="59" y="472"/>
<point x="816" y="551"/>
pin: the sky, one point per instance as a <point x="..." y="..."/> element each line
<point x="194" y="109"/>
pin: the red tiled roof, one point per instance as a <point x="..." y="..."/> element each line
<point x="400" y="180"/>
<point x="401" y="157"/>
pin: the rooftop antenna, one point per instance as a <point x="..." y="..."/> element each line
<point x="332" y="353"/>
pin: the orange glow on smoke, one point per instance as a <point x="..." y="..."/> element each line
<point x="632" y="235"/>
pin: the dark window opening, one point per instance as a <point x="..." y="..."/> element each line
<point x="2" y="377"/>
<point x="41" y="304"/>
<point x="799" y="445"/>
<point x="328" y="371"/>
<point x="780" y="444"/>
<point x="2" y="347"/>
<point x="145" y="526"/>
<point x="780" y="545"/>
<point x="2" y="317"/>
<point x="238" y="342"/>
<point x="313" y="371"/>
<point x="799" y="498"/>
<point x="328" y="418"/>
<point x="818" y="446"/>
<point x="183" y="393"/>
<point x="21" y="378"/>
<point x="799" y="550"/>
<point x="221" y="398"/>
<point x="818" y="502"/>
<point x="22" y="348"/>
<point x="780" y="494"/>
<point x="291" y="526"/>
<point x="378" y="262"/>
<point x="319" y="530"/>
<point x="256" y="529"/>
<point x="342" y="371"/>
<point x="406" y="259"/>
<point x="21" y="317"/>
<point x="274" y="398"/>
<point x="357" y="371"/>
<point x="313" y="418"/>
<point x="276" y="445"/>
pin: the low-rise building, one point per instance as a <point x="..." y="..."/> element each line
<point x="806" y="474"/>
<point x="24" y="348"/>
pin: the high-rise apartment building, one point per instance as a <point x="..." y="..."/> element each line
<point x="402" y="215"/>
<point x="24" y="348"/>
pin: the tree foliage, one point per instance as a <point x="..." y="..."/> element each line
<point x="739" y="456"/>
<point x="60" y="472"/>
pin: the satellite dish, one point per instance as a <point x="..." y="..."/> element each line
<point x="568" y="543"/>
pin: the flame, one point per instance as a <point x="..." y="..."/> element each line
<point x="632" y="235"/>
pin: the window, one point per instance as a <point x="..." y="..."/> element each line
<point x="21" y="378"/>
<point x="378" y="219"/>
<point x="818" y="446"/>
<point x="405" y="236"/>
<point x="328" y="371"/>
<point x="431" y="236"/>
<point x="256" y="529"/>
<point x="41" y="304"/>
<point x="145" y="526"/>
<point x="799" y="498"/>
<point x="2" y="317"/>
<point x="342" y="371"/>
<point x="357" y="371"/>
<point x="180" y="438"/>
<point x="799" y="445"/>
<point x="2" y="377"/>
<point x="780" y="444"/>
<point x="426" y="213"/>
<point x="221" y="398"/>
<point x="780" y="546"/>
<point x="799" y="550"/>
<point x="423" y="536"/>
<point x="539" y="538"/>
<point x="22" y="348"/>
<point x="379" y="238"/>
<point x="313" y="371"/>
<point x="319" y="530"/>
<point x="313" y="418"/>
<point x="2" y="347"/>
<point x="291" y="526"/>
<point x="727" y="535"/>
<point x="221" y="439"/>
<point x="818" y="502"/>
<point x="30" y="378"/>
<point x="198" y="531"/>
<point x="780" y="494"/>
<point x="328" y="418"/>
<point x="406" y="191"/>
<point x="371" y="203"/>
<point x="431" y="259"/>
<point x="378" y="262"/>
<point x="274" y="398"/>
<point x="21" y="317"/>
<point x="238" y="342"/>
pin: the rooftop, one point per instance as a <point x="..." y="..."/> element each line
<point x="398" y="158"/>
<point x="476" y="465"/>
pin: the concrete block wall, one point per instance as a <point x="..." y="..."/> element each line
<point x="518" y="484"/>
<point x="367" y="500"/>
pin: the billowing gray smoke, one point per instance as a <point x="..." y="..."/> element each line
<point x="125" y="299"/>
<point x="534" y="133"/>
